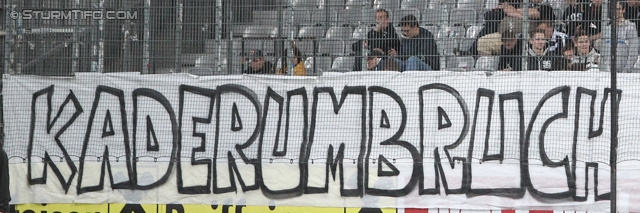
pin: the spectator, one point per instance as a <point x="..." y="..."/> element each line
<point x="538" y="53"/>
<point x="259" y="65"/>
<point x="555" y="39"/>
<point x="5" y="194"/>
<point x="573" y="16"/>
<point x="512" y="8"/>
<point x="593" y="19"/>
<point x="510" y="52"/>
<point x="632" y="13"/>
<point x="490" y="44"/>
<point x="298" y="69"/>
<point x="627" y="52"/>
<point x="377" y="61"/>
<point x="383" y="36"/>
<point x="585" y="55"/>
<point x="419" y="50"/>
<point x="564" y="62"/>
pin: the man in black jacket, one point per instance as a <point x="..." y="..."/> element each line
<point x="5" y="194"/>
<point x="259" y="65"/>
<point x="419" y="50"/>
<point x="384" y="36"/>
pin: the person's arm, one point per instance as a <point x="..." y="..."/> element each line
<point x="432" y="58"/>
<point x="533" y="13"/>
<point x="633" y="48"/>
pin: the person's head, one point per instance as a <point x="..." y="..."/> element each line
<point x="537" y="39"/>
<point x="568" y="51"/>
<point x="509" y="40"/>
<point x="382" y="18"/>
<point x="409" y="25"/>
<point x="257" y="59"/>
<point x="547" y="27"/>
<point x="582" y="42"/>
<point x="297" y="56"/>
<point x="373" y="59"/>
<point x="596" y="3"/>
<point x="620" y="9"/>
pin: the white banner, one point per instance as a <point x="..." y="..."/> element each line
<point x="523" y="140"/>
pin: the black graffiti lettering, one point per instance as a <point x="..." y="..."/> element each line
<point x="198" y="152"/>
<point x="441" y="90"/>
<point x="349" y="145"/>
<point x="515" y="191"/>
<point x="524" y="165"/>
<point x="388" y="143"/>
<point x="119" y="140"/>
<point x="272" y="122"/>
<point x="152" y="144"/>
<point x="579" y="140"/>
<point x="231" y="136"/>
<point x="48" y="126"/>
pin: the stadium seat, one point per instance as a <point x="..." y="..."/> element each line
<point x="331" y="47"/>
<point x="305" y="46"/>
<point x="467" y="41"/>
<point x="301" y="17"/>
<point x="321" y="64"/>
<point x="487" y="63"/>
<point x="414" y="4"/>
<point x="390" y="5"/>
<point x="352" y="4"/>
<point x="319" y="17"/>
<point x="306" y="4"/>
<point x="337" y="32"/>
<point x="462" y="17"/>
<point x="265" y="17"/>
<point x="332" y="4"/>
<point x="354" y="16"/>
<point x="460" y="63"/>
<point x="259" y="31"/>
<point x="311" y="32"/>
<point x="473" y="4"/>
<point x="431" y="16"/>
<point x="343" y="63"/>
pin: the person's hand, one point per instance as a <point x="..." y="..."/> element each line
<point x="392" y="52"/>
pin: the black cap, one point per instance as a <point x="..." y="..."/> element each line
<point x="376" y="53"/>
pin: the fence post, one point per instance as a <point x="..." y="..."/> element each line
<point x="178" y="36"/>
<point x="146" y="66"/>
<point x="613" y="155"/>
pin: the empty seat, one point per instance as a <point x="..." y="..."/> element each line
<point x="356" y="16"/>
<point x="337" y="32"/>
<point x="414" y="4"/>
<point x="431" y="16"/>
<point x="306" y="46"/>
<point x="300" y="17"/>
<point x="259" y="31"/>
<point x="269" y="17"/>
<point x="319" y="63"/>
<point x="201" y="71"/>
<point x="487" y="63"/>
<point x="351" y="4"/>
<point x="473" y="4"/>
<point x="322" y="18"/>
<point x="344" y="62"/>
<point x="331" y="47"/>
<point x="311" y="32"/>
<point x="460" y="63"/>
<point x="306" y="4"/>
<point x="471" y="36"/>
<point x="462" y="17"/>
<point x="386" y="4"/>
<point x="332" y="4"/>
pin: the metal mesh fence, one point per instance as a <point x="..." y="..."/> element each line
<point x="220" y="37"/>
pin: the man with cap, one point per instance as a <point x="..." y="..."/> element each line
<point x="258" y="63"/>
<point x="510" y="52"/>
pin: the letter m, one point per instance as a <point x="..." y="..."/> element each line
<point x="44" y="138"/>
